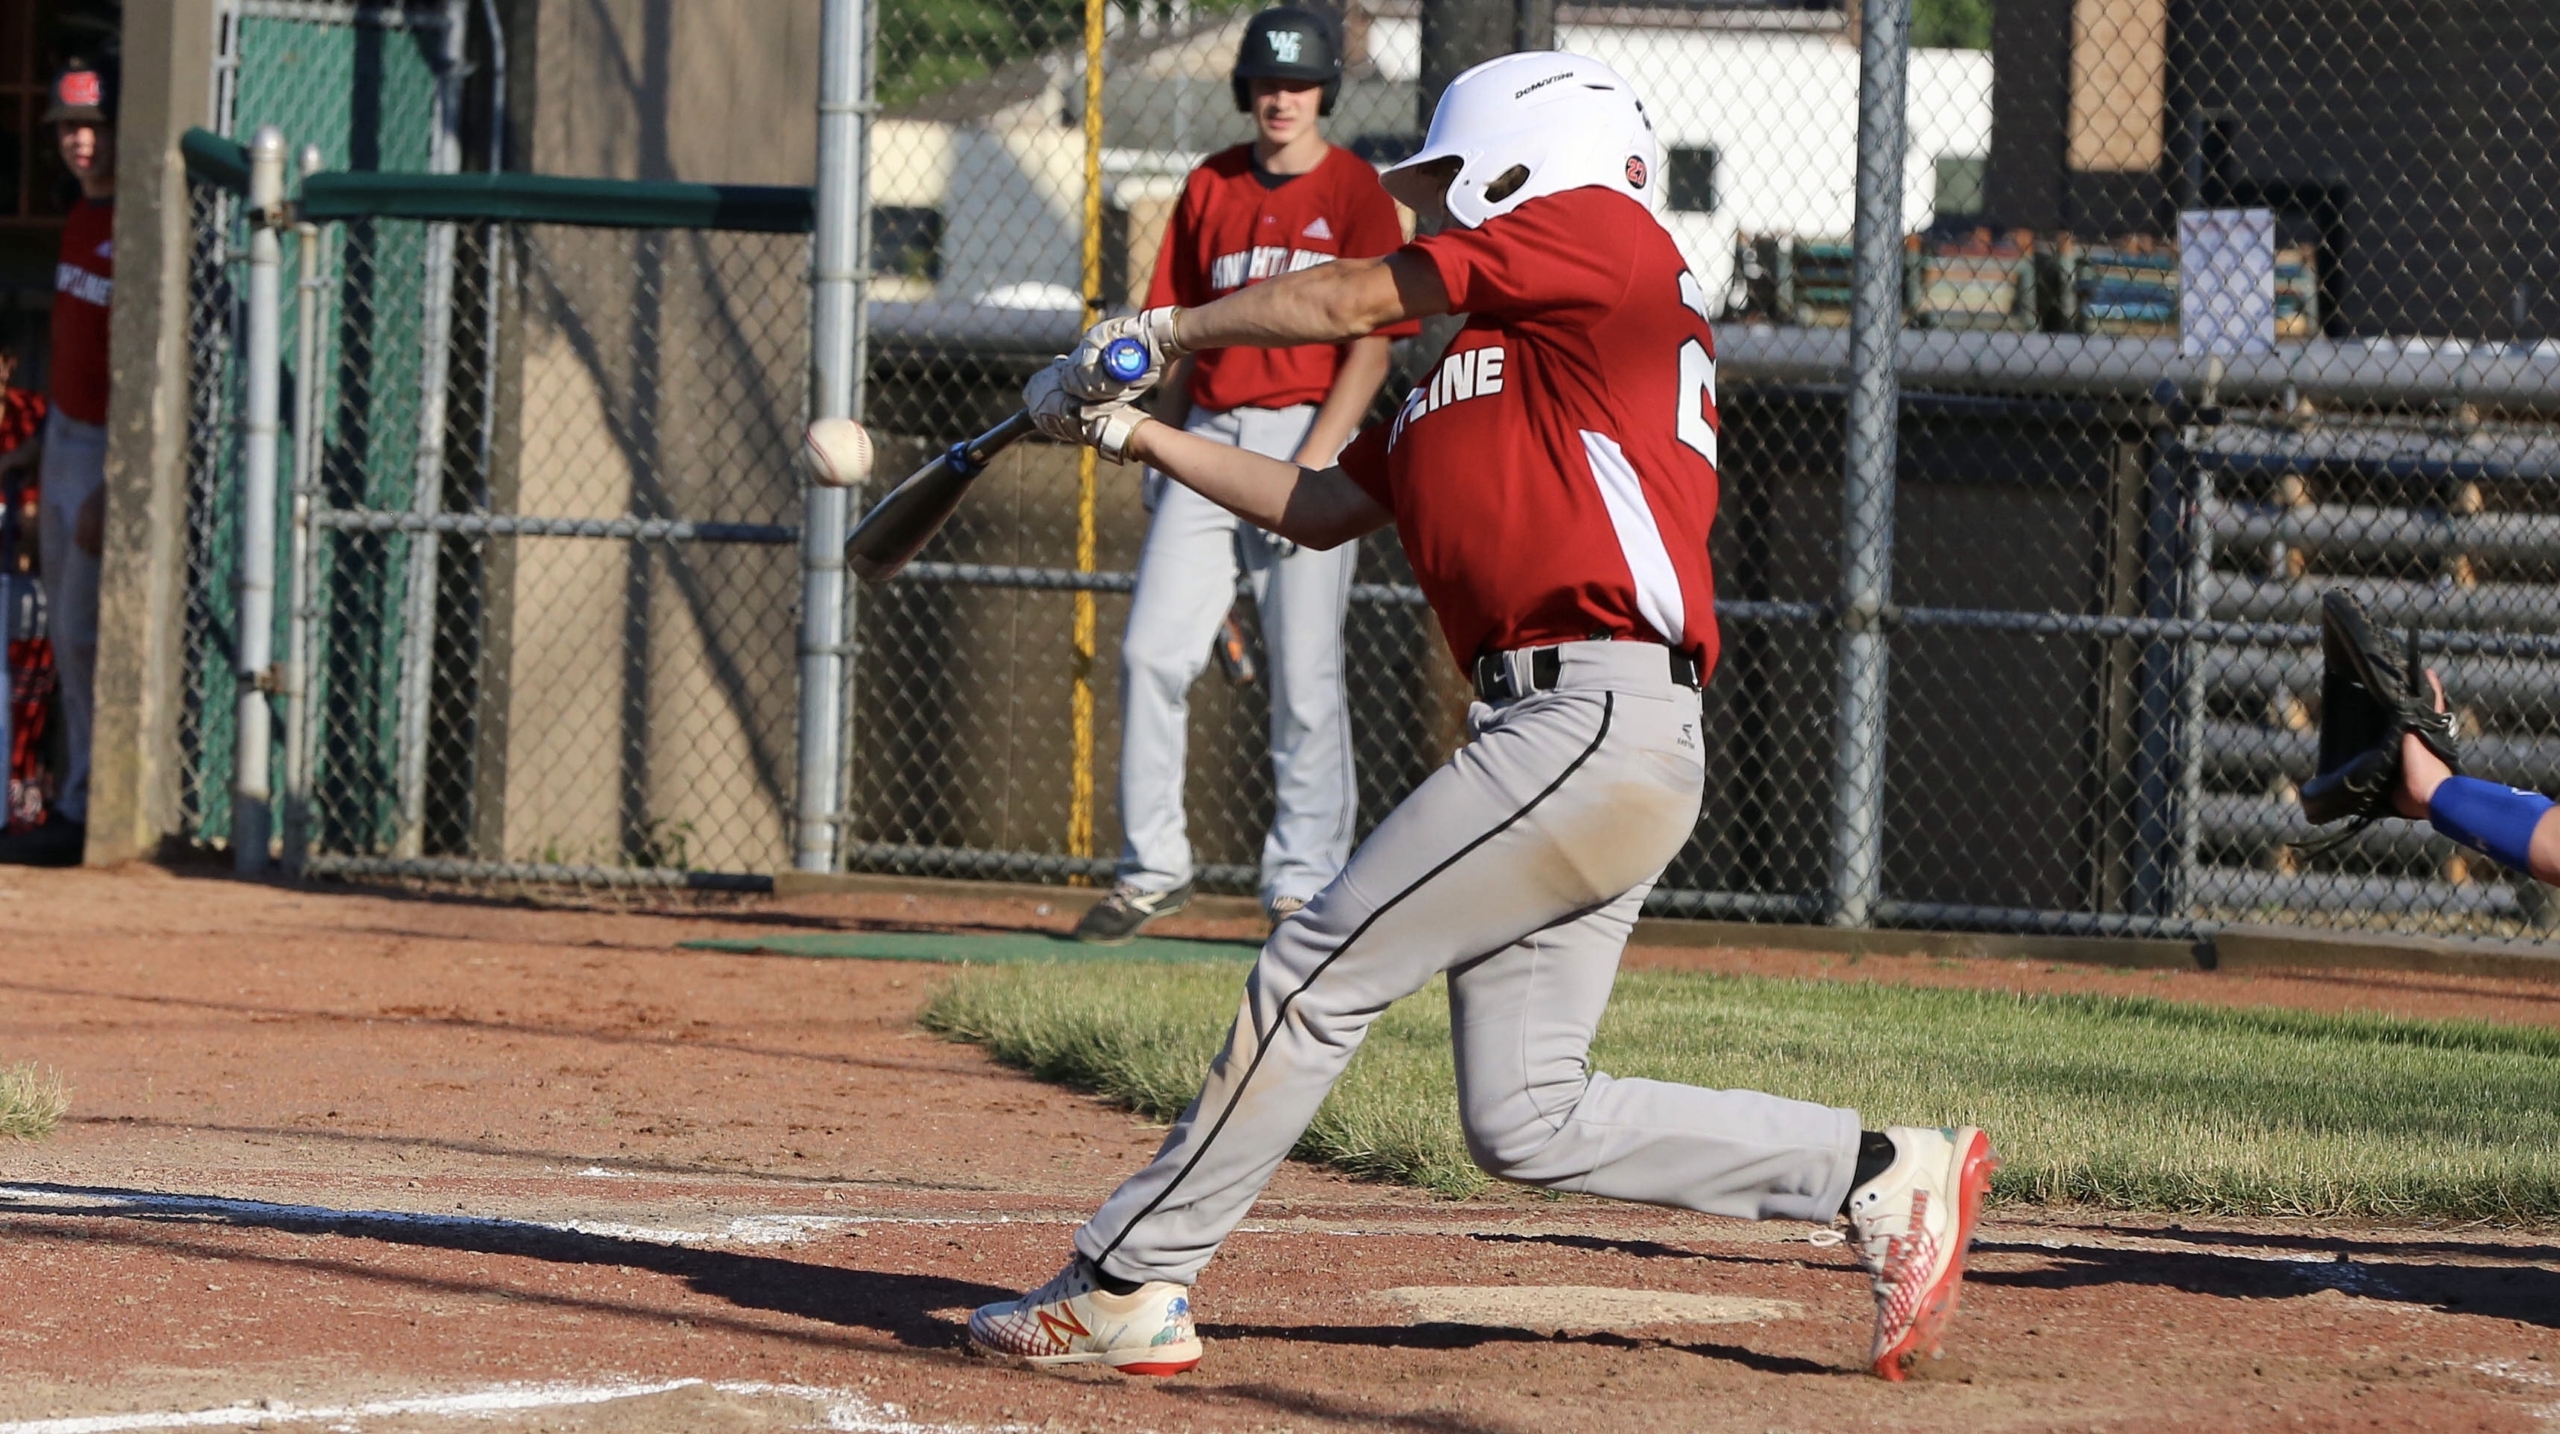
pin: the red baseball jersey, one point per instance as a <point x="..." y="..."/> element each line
<point x="1232" y="229"/>
<point x="84" y="280"/>
<point x="1553" y="480"/>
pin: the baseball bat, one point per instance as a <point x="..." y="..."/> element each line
<point x="900" y="524"/>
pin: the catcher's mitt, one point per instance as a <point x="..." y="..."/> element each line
<point x="2367" y="702"/>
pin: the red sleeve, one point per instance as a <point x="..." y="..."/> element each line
<point x="1373" y="229"/>
<point x="1562" y="251"/>
<point x="1365" y="463"/>
<point x="1179" y="277"/>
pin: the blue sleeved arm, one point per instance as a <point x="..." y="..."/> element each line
<point x="2489" y="817"/>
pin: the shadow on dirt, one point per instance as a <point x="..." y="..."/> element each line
<point x="1469" y="1336"/>
<point x="2528" y="1295"/>
<point x="739" y="907"/>
<point x="897" y="1305"/>
<point x="1591" y="1244"/>
<point x="620" y="1163"/>
<point x="2355" y="1248"/>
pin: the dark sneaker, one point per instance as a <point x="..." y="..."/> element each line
<point x="1117" y="917"/>
<point x="56" y="841"/>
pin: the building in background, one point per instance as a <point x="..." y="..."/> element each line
<point x="2408" y="145"/>
<point x="981" y="185"/>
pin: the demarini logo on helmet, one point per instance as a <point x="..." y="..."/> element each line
<point x="1284" y="45"/>
<point x="1540" y="84"/>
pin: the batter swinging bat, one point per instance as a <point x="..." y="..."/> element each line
<point x="899" y="525"/>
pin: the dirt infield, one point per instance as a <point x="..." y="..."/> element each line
<point x="385" y="1162"/>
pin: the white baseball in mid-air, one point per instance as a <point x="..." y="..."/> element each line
<point x="837" y="453"/>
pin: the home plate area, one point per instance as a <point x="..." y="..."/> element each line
<point x="599" y="1299"/>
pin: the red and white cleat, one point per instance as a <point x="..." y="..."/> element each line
<point x="1072" y="1320"/>
<point x="1912" y="1225"/>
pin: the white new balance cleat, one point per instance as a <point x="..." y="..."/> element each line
<point x="1912" y="1225"/>
<point x="1073" y="1320"/>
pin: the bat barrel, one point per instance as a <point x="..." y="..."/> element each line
<point x="900" y="524"/>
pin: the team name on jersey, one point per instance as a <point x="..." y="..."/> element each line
<point x="1469" y="373"/>
<point x="80" y="284"/>
<point x="1263" y="261"/>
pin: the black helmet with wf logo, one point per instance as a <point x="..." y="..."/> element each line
<point x="1289" y="44"/>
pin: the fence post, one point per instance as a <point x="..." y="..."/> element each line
<point x="1875" y="401"/>
<point x="295" y="685"/>
<point x="1081" y="633"/>
<point x="2195" y="507"/>
<point x="426" y="485"/>
<point x="257" y="615"/>
<point x="835" y="367"/>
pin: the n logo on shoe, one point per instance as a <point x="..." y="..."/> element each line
<point x="1059" y="1326"/>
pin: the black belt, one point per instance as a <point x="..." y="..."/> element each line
<point x="1546" y="667"/>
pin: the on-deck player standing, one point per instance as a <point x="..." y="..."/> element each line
<point x="1285" y="202"/>
<point x="1553" y="481"/>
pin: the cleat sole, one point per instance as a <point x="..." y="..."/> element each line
<point x="1159" y="1370"/>
<point x="1151" y="1368"/>
<point x="1973" y="1186"/>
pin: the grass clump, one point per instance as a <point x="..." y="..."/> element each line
<point x="2110" y="1101"/>
<point x="32" y="1102"/>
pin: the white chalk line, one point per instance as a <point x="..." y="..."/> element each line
<point x="2538" y="1378"/>
<point x="739" y="1230"/>
<point x="2326" y="1271"/>
<point x="841" y="1409"/>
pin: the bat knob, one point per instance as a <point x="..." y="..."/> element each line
<point x="1125" y="359"/>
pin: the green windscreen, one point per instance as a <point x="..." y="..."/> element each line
<point x="364" y="92"/>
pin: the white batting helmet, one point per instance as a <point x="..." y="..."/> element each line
<point x="1527" y="125"/>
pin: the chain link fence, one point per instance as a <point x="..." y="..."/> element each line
<point x="2174" y="317"/>
<point x="2108" y="506"/>
<point x="369" y="87"/>
<point x="553" y="634"/>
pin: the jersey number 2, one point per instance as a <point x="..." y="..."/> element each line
<point x="1697" y="391"/>
<point x="1697" y="379"/>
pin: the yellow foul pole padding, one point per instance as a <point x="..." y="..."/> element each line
<point x="1080" y="800"/>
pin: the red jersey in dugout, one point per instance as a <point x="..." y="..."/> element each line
<point x="1231" y="230"/>
<point x="83" y="283"/>
<point x="1553" y="480"/>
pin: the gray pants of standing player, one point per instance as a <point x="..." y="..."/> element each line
<point x="1518" y="868"/>
<point x="73" y="468"/>
<point x="1186" y="583"/>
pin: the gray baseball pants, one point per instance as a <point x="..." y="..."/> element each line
<point x="1518" y="868"/>
<point x="73" y="467"/>
<point x="1186" y="583"/>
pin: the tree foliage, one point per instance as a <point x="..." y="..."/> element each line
<point x="1951" y="24"/>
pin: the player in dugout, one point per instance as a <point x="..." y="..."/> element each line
<point x="1553" y="480"/>
<point x="1284" y="202"/>
<point x="71" y="522"/>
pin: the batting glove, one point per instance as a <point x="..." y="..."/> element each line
<point x="1089" y="378"/>
<point x="1105" y="426"/>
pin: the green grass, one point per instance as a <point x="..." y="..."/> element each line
<point x="32" y="1102"/>
<point x="2125" y="1103"/>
